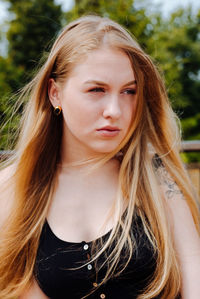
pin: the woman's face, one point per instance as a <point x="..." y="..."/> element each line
<point x="98" y="102"/>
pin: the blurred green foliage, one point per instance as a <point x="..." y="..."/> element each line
<point x="173" y="43"/>
<point x="31" y="29"/>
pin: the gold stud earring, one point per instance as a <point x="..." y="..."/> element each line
<point x="57" y="110"/>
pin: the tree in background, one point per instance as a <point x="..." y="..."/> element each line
<point x="179" y="57"/>
<point x="187" y="49"/>
<point x="174" y="44"/>
<point x="30" y="33"/>
<point x="127" y="12"/>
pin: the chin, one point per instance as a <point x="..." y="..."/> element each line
<point x="106" y="150"/>
<point x="103" y="147"/>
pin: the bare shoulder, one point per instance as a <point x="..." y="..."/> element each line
<point x="170" y="191"/>
<point x="179" y="215"/>
<point x="6" y="192"/>
<point x="166" y="182"/>
<point x="6" y="172"/>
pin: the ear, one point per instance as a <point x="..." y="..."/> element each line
<point x="54" y="93"/>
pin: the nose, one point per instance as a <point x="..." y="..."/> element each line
<point x="112" y="107"/>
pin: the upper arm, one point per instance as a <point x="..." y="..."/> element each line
<point x="33" y="292"/>
<point x="185" y="235"/>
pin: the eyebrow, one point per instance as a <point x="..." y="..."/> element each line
<point x="100" y="83"/>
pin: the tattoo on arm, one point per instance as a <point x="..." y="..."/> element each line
<point x="166" y="180"/>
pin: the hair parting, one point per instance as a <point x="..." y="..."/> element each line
<point x="37" y="159"/>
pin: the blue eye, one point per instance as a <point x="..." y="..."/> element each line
<point x="96" y="89"/>
<point x="130" y="91"/>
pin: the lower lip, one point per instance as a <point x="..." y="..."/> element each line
<point x="107" y="133"/>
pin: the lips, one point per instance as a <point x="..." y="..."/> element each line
<point x="109" y="131"/>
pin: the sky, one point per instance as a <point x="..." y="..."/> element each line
<point x="168" y="6"/>
<point x="165" y="6"/>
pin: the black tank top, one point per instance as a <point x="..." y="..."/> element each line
<point x="59" y="275"/>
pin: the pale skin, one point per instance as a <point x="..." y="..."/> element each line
<point x="113" y="104"/>
<point x="81" y="201"/>
<point x="186" y="238"/>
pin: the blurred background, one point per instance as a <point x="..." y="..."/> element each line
<point x="169" y="31"/>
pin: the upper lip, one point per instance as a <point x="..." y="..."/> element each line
<point x="109" y="128"/>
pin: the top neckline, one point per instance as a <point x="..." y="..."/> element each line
<point x="74" y="243"/>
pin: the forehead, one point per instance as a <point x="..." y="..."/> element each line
<point x="105" y="64"/>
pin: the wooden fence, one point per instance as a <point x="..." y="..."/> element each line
<point x="193" y="168"/>
<point x="194" y="173"/>
<point x="187" y="146"/>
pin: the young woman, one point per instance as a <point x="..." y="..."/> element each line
<point x="96" y="202"/>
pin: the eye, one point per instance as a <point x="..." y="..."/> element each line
<point x="97" y="89"/>
<point x="130" y="91"/>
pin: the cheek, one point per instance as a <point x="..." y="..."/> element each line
<point x="130" y="112"/>
<point x="77" y="114"/>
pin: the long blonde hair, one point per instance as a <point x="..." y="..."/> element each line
<point x="37" y="155"/>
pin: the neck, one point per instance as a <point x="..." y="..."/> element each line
<point x="78" y="157"/>
<point x="91" y="167"/>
